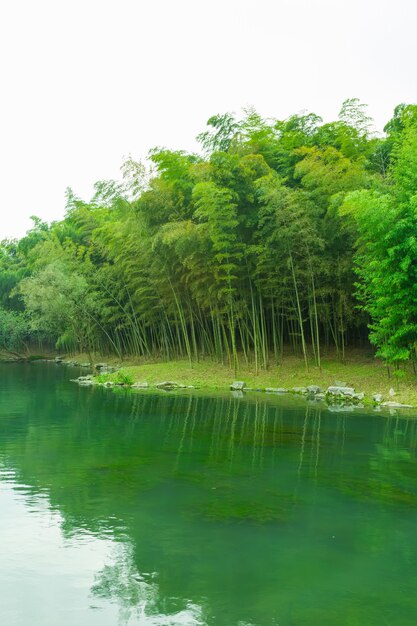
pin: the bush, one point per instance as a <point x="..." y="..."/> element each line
<point x="123" y="378"/>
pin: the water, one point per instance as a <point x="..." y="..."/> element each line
<point x="139" y="509"/>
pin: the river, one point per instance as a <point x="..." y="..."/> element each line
<point x="131" y="509"/>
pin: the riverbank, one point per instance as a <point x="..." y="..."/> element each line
<point x="360" y="370"/>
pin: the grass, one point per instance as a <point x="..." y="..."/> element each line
<point x="360" y="370"/>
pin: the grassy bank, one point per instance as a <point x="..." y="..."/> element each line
<point x="360" y="370"/>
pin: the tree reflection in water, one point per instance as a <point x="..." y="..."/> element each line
<point x="236" y="509"/>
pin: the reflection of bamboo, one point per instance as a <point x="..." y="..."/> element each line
<point x="244" y="423"/>
<point x="215" y="437"/>
<point x="317" y="443"/>
<point x="232" y="432"/>
<point x="278" y="417"/>
<point x="303" y="439"/>
<point x="169" y="428"/>
<point x="387" y="429"/>
<point x="192" y="429"/>
<point x="184" y="430"/>
<point x="259" y="428"/>
<point x="133" y="417"/>
<point x="263" y="428"/>
<point x="413" y="434"/>
<point x="255" y="428"/>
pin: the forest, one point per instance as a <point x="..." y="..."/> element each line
<point x="279" y="235"/>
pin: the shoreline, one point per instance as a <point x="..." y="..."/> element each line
<point x="361" y="371"/>
<point x="365" y="377"/>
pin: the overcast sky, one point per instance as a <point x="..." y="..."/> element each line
<point x="85" y="83"/>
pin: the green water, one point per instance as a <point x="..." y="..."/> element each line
<point x="141" y="509"/>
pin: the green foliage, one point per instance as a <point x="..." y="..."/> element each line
<point x="14" y="331"/>
<point x="387" y="253"/>
<point x="124" y="378"/>
<point x="237" y="253"/>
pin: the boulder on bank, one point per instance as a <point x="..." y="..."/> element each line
<point x="105" y="368"/>
<point x="314" y="389"/>
<point x="396" y="405"/>
<point x="300" y="390"/>
<point x="237" y="385"/>
<point x="337" y="393"/>
<point x="140" y="386"/>
<point x="169" y="385"/>
<point x="338" y="390"/>
<point x="84" y="381"/>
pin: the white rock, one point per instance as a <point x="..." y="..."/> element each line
<point x="237" y="385"/>
<point x="314" y="389"/>
<point x="337" y="390"/>
<point x="397" y="405"/>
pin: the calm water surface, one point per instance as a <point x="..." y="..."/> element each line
<point x="137" y="509"/>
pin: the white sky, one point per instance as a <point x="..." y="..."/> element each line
<point x="84" y="83"/>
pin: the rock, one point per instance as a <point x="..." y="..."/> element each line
<point x="104" y="368"/>
<point x="85" y="364"/>
<point x="276" y="390"/>
<point x="397" y="405"/>
<point x="377" y="397"/>
<point x="108" y="383"/>
<point x="84" y="381"/>
<point x="359" y="396"/>
<point x="58" y="359"/>
<point x="140" y="386"/>
<point x="340" y="383"/>
<point x="237" y="385"/>
<point x="302" y="390"/>
<point x="313" y="389"/>
<point x="167" y="385"/>
<point x="320" y="396"/>
<point x="391" y="393"/>
<point x="338" y="390"/>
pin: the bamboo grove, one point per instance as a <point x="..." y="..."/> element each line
<point x="278" y="235"/>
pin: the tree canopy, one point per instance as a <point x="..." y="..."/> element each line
<point x="291" y="232"/>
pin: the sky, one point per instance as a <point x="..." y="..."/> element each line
<point x="84" y="84"/>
